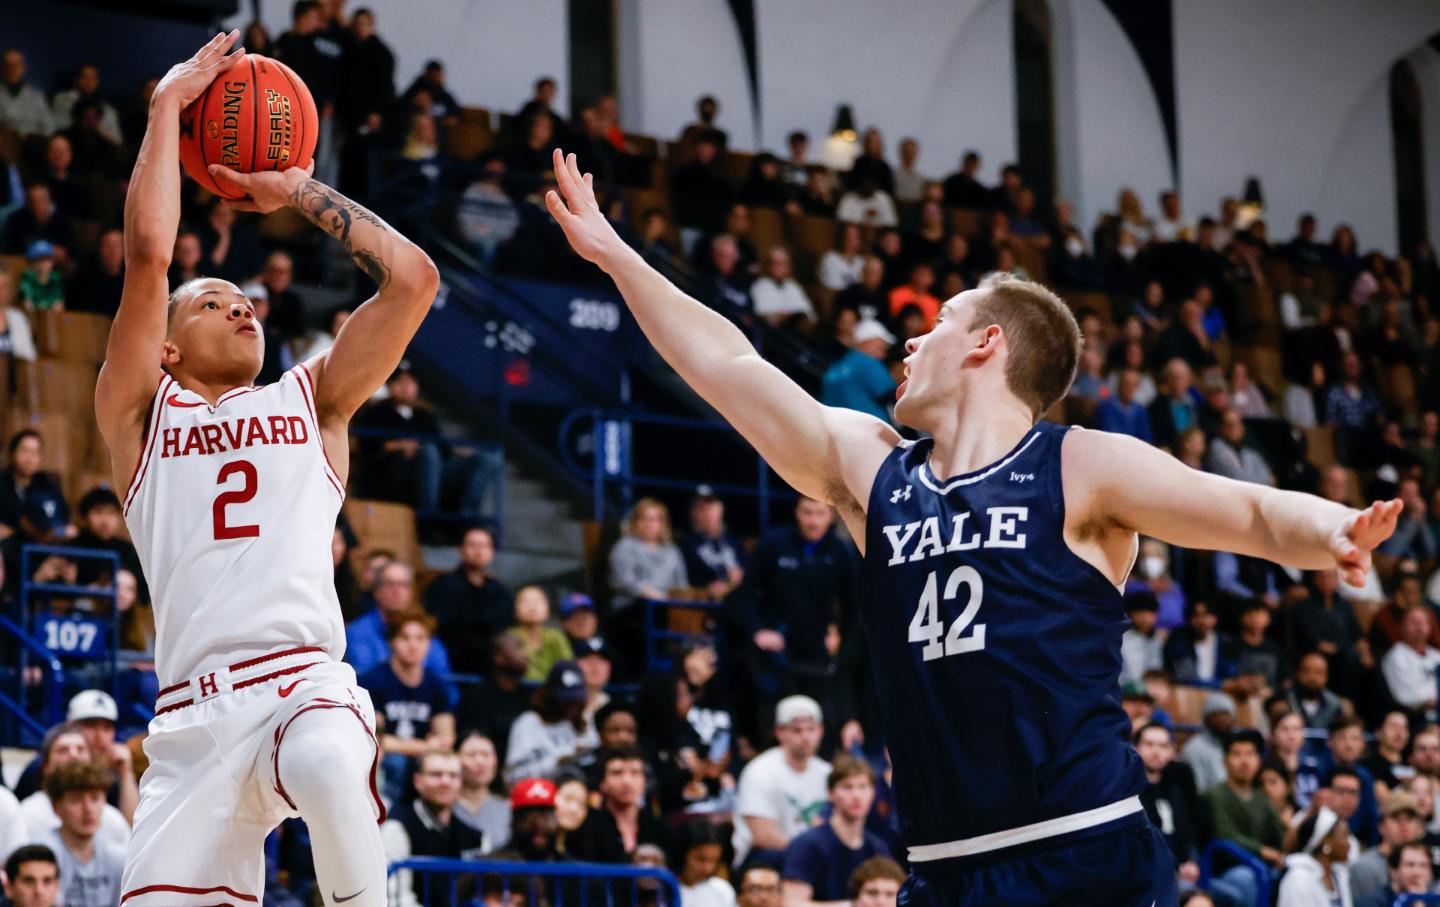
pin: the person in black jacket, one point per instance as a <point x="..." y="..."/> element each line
<point x="310" y="50"/>
<point x="427" y="826"/>
<point x="623" y="821"/>
<point x="367" y="73"/>
<point x="702" y="196"/>
<point x="1170" y="799"/>
<point x="471" y="605"/>
<point x="791" y="612"/>
<point x="492" y="707"/>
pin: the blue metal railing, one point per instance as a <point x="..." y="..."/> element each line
<point x="533" y="877"/>
<point x="656" y="660"/>
<point x="1408" y="900"/>
<point x="53" y="672"/>
<point x="1244" y="858"/>
<point x="612" y="464"/>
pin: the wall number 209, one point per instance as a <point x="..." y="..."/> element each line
<point x="927" y="627"/>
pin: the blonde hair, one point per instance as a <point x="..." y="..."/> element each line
<point x="1041" y="333"/>
<point x="633" y="519"/>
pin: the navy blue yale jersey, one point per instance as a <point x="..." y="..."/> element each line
<point x="997" y="649"/>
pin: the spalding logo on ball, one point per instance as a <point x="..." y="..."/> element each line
<point x="257" y="115"/>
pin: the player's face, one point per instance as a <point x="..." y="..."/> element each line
<point x="878" y="893"/>
<point x="36" y="884"/>
<point x="853" y="797"/>
<point x="214" y="334"/>
<point x="934" y="364"/>
<point x="80" y="811"/>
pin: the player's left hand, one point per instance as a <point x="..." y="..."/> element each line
<point x="578" y="213"/>
<point x="1360" y="535"/>
<point x="266" y="191"/>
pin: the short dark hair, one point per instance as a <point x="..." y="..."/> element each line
<point x="1344" y="723"/>
<point x="619" y="754"/>
<point x="543" y="81"/>
<point x="1150" y="726"/>
<point x="302" y="8"/>
<point x="970" y="155"/>
<point x="19" y="438"/>
<point x="614" y="707"/>
<point x="1043" y="337"/>
<point x="96" y="498"/>
<point x="1245" y="735"/>
<point x="1341" y="771"/>
<point x="1398" y="853"/>
<point x="29" y="853"/>
<point x="1274" y="763"/>
<point x="1195" y="603"/>
<point x="798" y="135"/>
<point x="78" y="776"/>
<point x="872" y="869"/>
<point x="697" y="833"/>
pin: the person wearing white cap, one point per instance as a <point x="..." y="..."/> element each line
<point x="1315" y="873"/>
<point x="781" y="792"/>
<point x="95" y="713"/>
<point x="859" y="380"/>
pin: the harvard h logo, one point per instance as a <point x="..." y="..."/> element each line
<point x="208" y="686"/>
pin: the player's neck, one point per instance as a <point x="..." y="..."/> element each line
<point x="976" y="436"/>
<point x="211" y="391"/>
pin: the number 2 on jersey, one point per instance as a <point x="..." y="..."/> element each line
<point x="927" y="627"/>
<point x="245" y="493"/>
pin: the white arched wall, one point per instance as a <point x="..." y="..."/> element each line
<point x="939" y="70"/>
<point x="493" y="50"/>
<point x="672" y="52"/>
<point x="1109" y="133"/>
<point x="1425" y="63"/>
<point x="1286" y="90"/>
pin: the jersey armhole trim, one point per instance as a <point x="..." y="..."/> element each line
<point x="147" y="446"/>
<point x="307" y="390"/>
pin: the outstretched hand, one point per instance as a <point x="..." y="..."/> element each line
<point x="265" y="191"/>
<point x="578" y="214"/>
<point x="188" y="80"/>
<point x="1360" y="535"/>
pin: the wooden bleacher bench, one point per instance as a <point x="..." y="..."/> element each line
<point x="966" y="222"/>
<point x="13" y="265"/>
<point x="767" y="230"/>
<point x="383" y="525"/>
<point x="1031" y="258"/>
<point x="83" y="337"/>
<point x="1187" y="703"/>
<point x="471" y="135"/>
<point x="1320" y="446"/>
<point x="735" y="166"/>
<point x="814" y="236"/>
<point x="644" y="145"/>
<point x="60" y="387"/>
<point x="1096" y="301"/>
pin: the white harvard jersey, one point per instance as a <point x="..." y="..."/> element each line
<point x="232" y="510"/>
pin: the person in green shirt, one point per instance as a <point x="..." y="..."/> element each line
<point x="41" y="286"/>
<point x="1241" y="813"/>
<point x="544" y="644"/>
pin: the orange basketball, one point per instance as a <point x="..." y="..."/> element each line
<point x="255" y="116"/>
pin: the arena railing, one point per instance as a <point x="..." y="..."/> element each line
<point x="657" y="661"/>
<point x="75" y="637"/>
<point x="53" y="679"/>
<point x="589" y="884"/>
<point x="1263" y="876"/>
<point x="614" y="465"/>
<point x="1411" y="900"/>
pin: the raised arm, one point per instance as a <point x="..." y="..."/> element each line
<point x="1119" y="482"/>
<point x="827" y="453"/>
<point x="375" y="337"/>
<point x="152" y="216"/>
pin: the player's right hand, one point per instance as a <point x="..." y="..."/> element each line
<point x="1361" y="534"/>
<point x="578" y="214"/>
<point x="188" y="80"/>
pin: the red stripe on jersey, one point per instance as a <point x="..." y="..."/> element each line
<point x="180" y="889"/>
<point x="252" y="662"/>
<point x="142" y="463"/>
<point x="307" y="390"/>
<point x="314" y="705"/>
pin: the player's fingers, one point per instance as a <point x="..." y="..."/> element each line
<point x="573" y="167"/>
<point x="562" y="175"/>
<point x="557" y="207"/>
<point x="234" y="177"/>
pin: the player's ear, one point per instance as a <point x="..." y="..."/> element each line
<point x="169" y="354"/>
<point x="986" y="344"/>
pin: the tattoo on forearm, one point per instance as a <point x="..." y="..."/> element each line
<point x="336" y="214"/>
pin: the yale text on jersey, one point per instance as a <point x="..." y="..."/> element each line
<point x="232" y="434"/>
<point x="999" y="528"/>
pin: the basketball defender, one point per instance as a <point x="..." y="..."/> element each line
<point x="993" y="552"/>
<point x="231" y="497"/>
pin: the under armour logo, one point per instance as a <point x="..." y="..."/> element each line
<point x="900" y="494"/>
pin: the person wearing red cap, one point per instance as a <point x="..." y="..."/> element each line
<point x="533" y="828"/>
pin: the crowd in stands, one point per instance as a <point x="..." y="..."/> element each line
<point x="1273" y="708"/>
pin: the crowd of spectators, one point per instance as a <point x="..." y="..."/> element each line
<point x="1273" y="708"/>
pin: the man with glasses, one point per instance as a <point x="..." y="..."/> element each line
<point x="427" y="827"/>
<point x="365" y="643"/>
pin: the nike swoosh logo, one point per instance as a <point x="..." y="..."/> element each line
<point x="174" y="400"/>
<point x="286" y="690"/>
<point x="340" y="900"/>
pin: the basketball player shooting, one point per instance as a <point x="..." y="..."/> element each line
<point x="232" y="495"/>
<point x="994" y="550"/>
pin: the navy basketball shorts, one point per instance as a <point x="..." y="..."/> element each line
<point x="1125" y="866"/>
